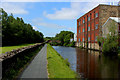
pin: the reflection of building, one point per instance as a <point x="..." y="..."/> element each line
<point x="87" y="64"/>
<point x="89" y="26"/>
<point x="90" y="65"/>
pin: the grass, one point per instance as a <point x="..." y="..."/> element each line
<point x="21" y="63"/>
<point x="9" y="48"/>
<point x="118" y="54"/>
<point x="57" y="66"/>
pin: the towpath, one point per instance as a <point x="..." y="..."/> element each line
<point x="38" y="67"/>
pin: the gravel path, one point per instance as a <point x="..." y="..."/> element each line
<point x="38" y="67"/>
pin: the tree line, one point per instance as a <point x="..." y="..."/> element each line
<point x="15" y="31"/>
<point x="62" y="39"/>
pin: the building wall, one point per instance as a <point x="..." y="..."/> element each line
<point x="105" y="28"/>
<point x="107" y="11"/>
<point x="88" y="36"/>
<point x="75" y="37"/>
<point x="104" y="12"/>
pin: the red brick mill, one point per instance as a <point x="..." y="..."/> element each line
<point x="89" y="26"/>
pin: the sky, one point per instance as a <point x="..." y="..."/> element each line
<point x="50" y="17"/>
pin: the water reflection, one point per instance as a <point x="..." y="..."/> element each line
<point x="89" y="64"/>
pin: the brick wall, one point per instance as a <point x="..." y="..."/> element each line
<point x="104" y="12"/>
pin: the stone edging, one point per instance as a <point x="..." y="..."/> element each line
<point x="10" y="54"/>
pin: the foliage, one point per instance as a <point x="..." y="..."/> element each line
<point x="72" y="44"/>
<point x="64" y="37"/>
<point x="20" y="64"/>
<point x="15" y="31"/>
<point x="67" y="63"/>
<point x="48" y="38"/>
<point x="57" y="66"/>
<point x="100" y="40"/>
<point x="81" y="47"/>
<point x="110" y="43"/>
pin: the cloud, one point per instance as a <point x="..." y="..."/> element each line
<point x="71" y="29"/>
<point x="36" y="20"/>
<point x="40" y="22"/>
<point x="59" y="0"/>
<point x="76" y="9"/>
<point x="50" y="25"/>
<point x="65" y="13"/>
<point x="50" y="28"/>
<point x="15" y="8"/>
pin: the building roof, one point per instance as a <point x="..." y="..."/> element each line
<point x="116" y="19"/>
<point x="96" y="7"/>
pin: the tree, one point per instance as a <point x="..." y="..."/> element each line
<point x="16" y="31"/>
<point x="110" y="43"/>
<point x="64" y="37"/>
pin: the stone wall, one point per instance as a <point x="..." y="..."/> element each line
<point x="94" y="46"/>
<point x="105" y="28"/>
<point x="10" y="54"/>
<point x="10" y="59"/>
<point x="106" y="11"/>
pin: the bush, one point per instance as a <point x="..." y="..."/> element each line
<point x="72" y="44"/>
<point x="110" y="42"/>
<point x="67" y="63"/>
<point x="110" y="45"/>
<point x="81" y="47"/>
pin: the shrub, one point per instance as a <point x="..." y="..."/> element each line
<point x="72" y="44"/>
<point x="81" y="47"/>
<point x="66" y="61"/>
<point x="110" y="42"/>
<point x="110" y="45"/>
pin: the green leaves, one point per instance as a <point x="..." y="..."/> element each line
<point x="15" y="31"/>
<point x="64" y="37"/>
<point x="110" y="43"/>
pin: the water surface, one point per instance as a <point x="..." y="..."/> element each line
<point x="89" y="64"/>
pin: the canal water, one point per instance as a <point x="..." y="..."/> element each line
<point x="88" y="64"/>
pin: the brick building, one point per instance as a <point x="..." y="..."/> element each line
<point x="89" y="26"/>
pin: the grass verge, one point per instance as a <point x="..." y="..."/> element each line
<point x="9" y="48"/>
<point x="118" y="54"/>
<point x="21" y="63"/>
<point x="57" y="66"/>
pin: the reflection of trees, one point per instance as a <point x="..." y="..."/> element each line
<point x="109" y="67"/>
<point x="119" y="67"/>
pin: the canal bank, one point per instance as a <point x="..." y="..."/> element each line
<point x="17" y="63"/>
<point x="57" y="66"/>
<point x="88" y="64"/>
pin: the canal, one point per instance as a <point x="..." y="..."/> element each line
<point x="88" y="64"/>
